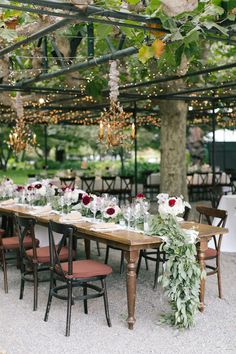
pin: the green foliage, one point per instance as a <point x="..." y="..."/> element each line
<point x="182" y="274"/>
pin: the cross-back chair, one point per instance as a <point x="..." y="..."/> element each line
<point x="74" y="274"/>
<point x="67" y="182"/>
<point x="33" y="260"/>
<point x="88" y="183"/>
<point x="208" y="214"/>
<point x="10" y="247"/>
<point x="108" y="184"/>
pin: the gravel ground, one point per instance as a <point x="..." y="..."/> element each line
<point x="24" y="331"/>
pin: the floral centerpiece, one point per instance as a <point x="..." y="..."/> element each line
<point x="182" y="274"/>
<point x="7" y="189"/>
<point x="39" y="193"/>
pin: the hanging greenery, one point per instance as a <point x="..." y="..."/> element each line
<point x="181" y="276"/>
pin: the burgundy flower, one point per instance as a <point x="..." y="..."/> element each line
<point x="30" y="188"/>
<point x="38" y="186"/>
<point x="172" y="202"/>
<point x="110" y="211"/>
<point x="86" y="199"/>
<point x="140" y="195"/>
<point x="20" y="188"/>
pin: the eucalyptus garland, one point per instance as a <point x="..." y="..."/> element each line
<point x="182" y="274"/>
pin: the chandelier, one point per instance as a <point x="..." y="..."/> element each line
<point x="21" y="137"/>
<point x="114" y="122"/>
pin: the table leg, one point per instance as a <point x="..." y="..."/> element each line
<point x="202" y="247"/>
<point x="87" y="244"/>
<point x="131" y="258"/>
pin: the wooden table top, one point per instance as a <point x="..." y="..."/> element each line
<point x="125" y="237"/>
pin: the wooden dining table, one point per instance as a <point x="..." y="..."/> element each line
<point x="131" y="243"/>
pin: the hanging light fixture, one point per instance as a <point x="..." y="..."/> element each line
<point x="21" y="137"/>
<point x="114" y="121"/>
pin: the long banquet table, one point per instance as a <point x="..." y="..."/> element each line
<point x="131" y="242"/>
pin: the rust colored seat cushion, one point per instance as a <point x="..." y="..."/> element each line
<point x="87" y="269"/>
<point x="13" y="242"/>
<point x="43" y="254"/>
<point x="2" y="232"/>
<point x="210" y="253"/>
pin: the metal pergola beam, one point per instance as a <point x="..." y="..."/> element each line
<point x="85" y="65"/>
<point x="34" y="36"/>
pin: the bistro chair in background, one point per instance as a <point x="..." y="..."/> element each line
<point x="74" y="274"/>
<point x="156" y="255"/>
<point x="209" y="214"/>
<point x="67" y="182"/>
<point x="88" y="183"/>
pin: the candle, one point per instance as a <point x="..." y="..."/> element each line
<point x="133" y="131"/>
<point x="34" y="139"/>
<point x="101" y="131"/>
<point x="108" y="130"/>
<point x="10" y="138"/>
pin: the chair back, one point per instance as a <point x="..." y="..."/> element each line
<point x="66" y="238"/>
<point x="186" y="213"/>
<point x="67" y="182"/>
<point x="108" y="184"/>
<point x="26" y="228"/>
<point x="7" y="224"/>
<point x="88" y="183"/>
<point x="210" y="214"/>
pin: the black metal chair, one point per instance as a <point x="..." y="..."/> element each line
<point x="34" y="259"/>
<point x="108" y="184"/>
<point x="74" y="274"/>
<point x="156" y="255"/>
<point x="88" y="183"/>
<point x="67" y="182"/>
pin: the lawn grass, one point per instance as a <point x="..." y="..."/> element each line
<point x="21" y="176"/>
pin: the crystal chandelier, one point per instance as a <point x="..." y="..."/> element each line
<point x="114" y="121"/>
<point x="20" y="137"/>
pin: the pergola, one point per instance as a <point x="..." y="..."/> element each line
<point x="64" y="100"/>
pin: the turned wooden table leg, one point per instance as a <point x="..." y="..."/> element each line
<point x="202" y="247"/>
<point x="131" y="258"/>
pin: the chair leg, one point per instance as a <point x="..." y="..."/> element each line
<point x="122" y="262"/>
<point x="4" y="267"/>
<point x="22" y="282"/>
<point x="85" y="300"/>
<point x="69" y="301"/>
<point x="156" y="269"/>
<point x="107" y="254"/>
<point x="98" y="249"/>
<point x="219" y="277"/>
<point x="146" y="262"/>
<point x="49" y="298"/>
<point x="103" y="281"/>
<point x="35" y="274"/>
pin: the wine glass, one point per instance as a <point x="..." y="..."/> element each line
<point x="94" y="209"/>
<point x="137" y="213"/>
<point x="62" y="203"/>
<point x="128" y="214"/>
<point x="67" y="200"/>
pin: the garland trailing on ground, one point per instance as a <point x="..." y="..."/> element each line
<point x="182" y="274"/>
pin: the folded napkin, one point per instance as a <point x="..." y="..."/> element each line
<point x="7" y="202"/>
<point x="73" y="216"/>
<point x="106" y="227"/>
<point x="40" y="210"/>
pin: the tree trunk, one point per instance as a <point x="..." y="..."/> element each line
<point x="173" y="146"/>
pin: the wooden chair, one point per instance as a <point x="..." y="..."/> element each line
<point x="209" y="214"/>
<point x="10" y="250"/>
<point x="125" y="190"/>
<point x="156" y="255"/>
<point x="79" y="273"/>
<point x="67" y="182"/>
<point x="34" y="260"/>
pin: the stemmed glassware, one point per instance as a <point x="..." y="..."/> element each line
<point x="94" y="208"/>
<point x="62" y="203"/>
<point x="128" y="214"/>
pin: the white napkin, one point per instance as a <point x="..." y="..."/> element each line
<point x="41" y="210"/>
<point x="74" y="216"/>
<point x="7" y="202"/>
<point x="106" y="227"/>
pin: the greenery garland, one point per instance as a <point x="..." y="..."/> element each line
<point x="182" y="274"/>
